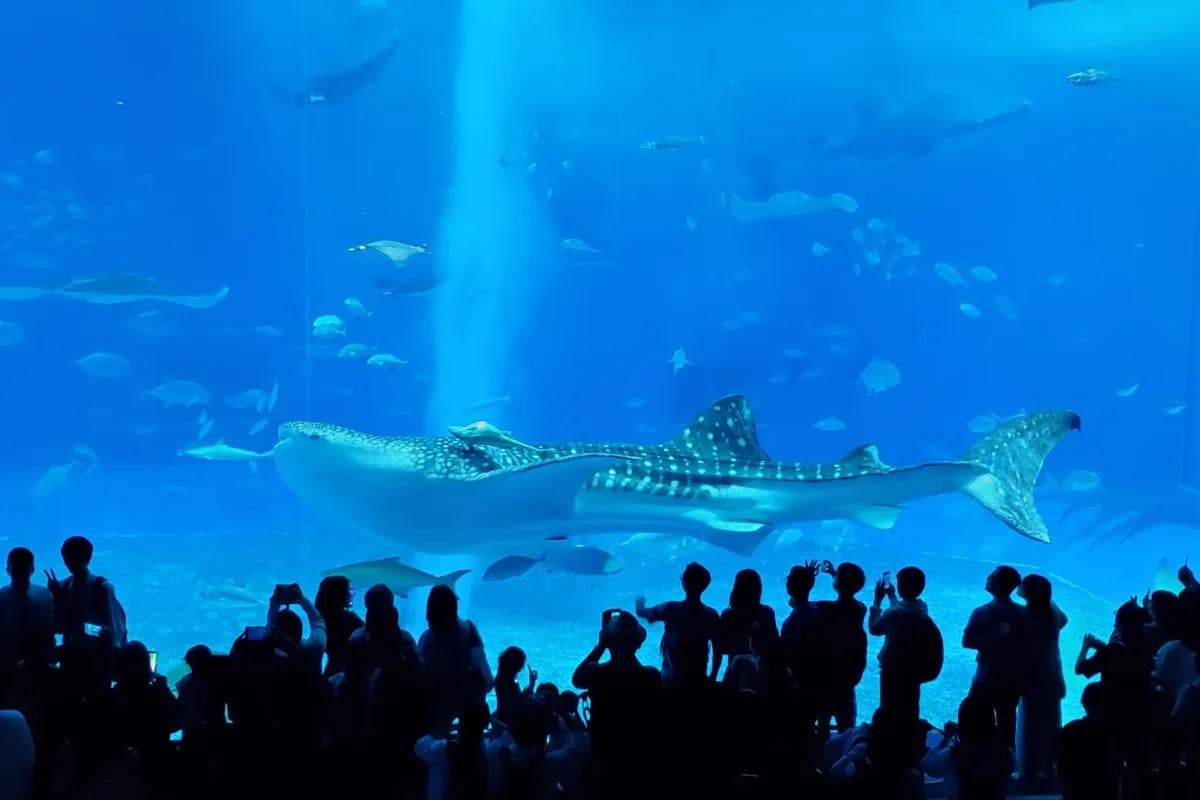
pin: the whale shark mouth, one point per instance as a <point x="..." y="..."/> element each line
<point x="713" y="481"/>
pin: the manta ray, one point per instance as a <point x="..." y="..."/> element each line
<point x="465" y="494"/>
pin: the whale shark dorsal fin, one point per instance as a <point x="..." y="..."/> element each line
<point x="865" y="458"/>
<point x="723" y="430"/>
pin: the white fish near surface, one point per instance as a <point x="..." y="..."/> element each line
<point x="442" y="494"/>
<point x="393" y="573"/>
<point x="152" y="323"/>
<point x="969" y="310"/>
<point x="879" y="375"/>
<point x="328" y="326"/>
<point x="1007" y="308"/>
<point x="1171" y="411"/>
<point x="1128" y="391"/>
<point x="355" y="308"/>
<point x="11" y="334"/>
<point x="788" y="204"/>
<point x="678" y="361"/>
<point x="829" y="424"/>
<point x="251" y="398"/>
<point x="355" y="350"/>
<point x="983" y="275"/>
<point x="949" y="274"/>
<point x="1080" y="480"/>
<point x="578" y="245"/>
<point x="105" y="365"/>
<point x="180" y="393"/>
<point x="386" y="361"/>
<point x="223" y="452"/>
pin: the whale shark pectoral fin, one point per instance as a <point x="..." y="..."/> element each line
<point x="740" y="536"/>
<point x="549" y="488"/>
<point x="879" y="517"/>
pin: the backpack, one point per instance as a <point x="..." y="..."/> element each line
<point x="100" y="597"/>
<point x="929" y="652"/>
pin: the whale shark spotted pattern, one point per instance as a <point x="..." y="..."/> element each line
<point x="713" y="481"/>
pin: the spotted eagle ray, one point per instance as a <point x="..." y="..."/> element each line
<point x="714" y="481"/>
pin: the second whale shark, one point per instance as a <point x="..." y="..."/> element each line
<point x="465" y="494"/>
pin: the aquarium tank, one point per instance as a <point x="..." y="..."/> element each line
<point x="548" y="300"/>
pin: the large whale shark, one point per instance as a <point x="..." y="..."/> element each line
<point x="714" y="481"/>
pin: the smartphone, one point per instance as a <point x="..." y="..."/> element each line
<point x="154" y="661"/>
<point x="258" y="633"/>
<point x="91" y="630"/>
<point x="58" y="640"/>
<point x="608" y="615"/>
<point x="887" y="579"/>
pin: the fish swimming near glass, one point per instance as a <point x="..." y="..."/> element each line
<point x="466" y="494"/>
<point x="337" y="86"/>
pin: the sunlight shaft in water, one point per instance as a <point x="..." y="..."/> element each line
<point x="485" y="233"/>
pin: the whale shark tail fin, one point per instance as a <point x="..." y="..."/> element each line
<point x="1011" y="457"/>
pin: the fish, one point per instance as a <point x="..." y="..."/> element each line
<point x="259" y="426"/>
<point x="11" y="334"/>
<point x="1035" y="3"/>
<point x="788" y="204"/>
<point x="713" y="482"/>
<point x="819" y="250"/>
<point x="356" y="308"/>
<point x="267" y="330"/>
<point x="129" y="287"/>
<point x="396" y="252"/>
<point x="1174" y="410"/>
<point x="222" y="452"/>
<point x="678" y="361"/>
<point x="949" y="274"/>
<point x="885" y="135"/>
<point x="969" y="310"/>
<point x="983" y="275"/>
<point x="338" y="86"/>
<point x="152" y="323"/>
<point x="105" y="365"/>
<point x="676" y="142"/>
<point x="577" y="244"/>
<point x="1080" y="480"/>
<point x="386" y="360"/>
<point x="575" y="559"/>
<point x="328" y="326"/>
<point x="879" y="375"/>
<point x="232" y="597"/>
<point x="251" y="398"/>
<point x="394" y="573"/>
<point x="1128" y="391"/>
<point x="355" y="350"/>
<point x="829" y="424"/>
<point x="180" y="393"/>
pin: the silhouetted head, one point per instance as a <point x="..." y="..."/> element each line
<point x="1130" y="621"/>
<point x="473" y="720"/>
<point x="800" y="582"/>
<point x="1003" y="581"/>
<point x="198" y="658"/>
<point x="531" y="727"/>
<point x="1092" y="699"/>
<point x="511" y="661"/>
<point x="976" y="722"/>
<point x="382" y="621"/>
<point x="333" y="595"/>
<point x="288" y="623"/>
<point x="547" y="692"/>
<point x="625" y="634"/>
<point x="746" y="594"/>
<point x="441" y="609"/>
<point x="1036" y="591"/>
<point x="849" y="579"/>
<point x="20" y="566"/>
<point x="910" y="582"/>
<point x="77" y="554"/>
<point x="695" y="579"/>
<point x="378" y="596"/>
<point x="1164" y="607"/>
<point x="133" y="664"/>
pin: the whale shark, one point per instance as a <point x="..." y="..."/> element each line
<point x="456" y="495"/>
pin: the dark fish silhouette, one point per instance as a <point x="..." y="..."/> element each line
<point x="338" y="86"/>
<point x="1035" y="3"/>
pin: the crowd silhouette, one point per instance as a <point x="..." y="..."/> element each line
<point x="736" y="705"/>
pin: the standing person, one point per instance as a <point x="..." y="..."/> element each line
<point x="690" y="627"/>
<point x="1039" y="716"/>
<point x="912" y="646"/>
<point x="996" y="631"/>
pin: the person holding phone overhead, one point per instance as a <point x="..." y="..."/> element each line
<point x="311" y="648"/>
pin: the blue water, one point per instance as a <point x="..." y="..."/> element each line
<point x="153" y="140"/>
